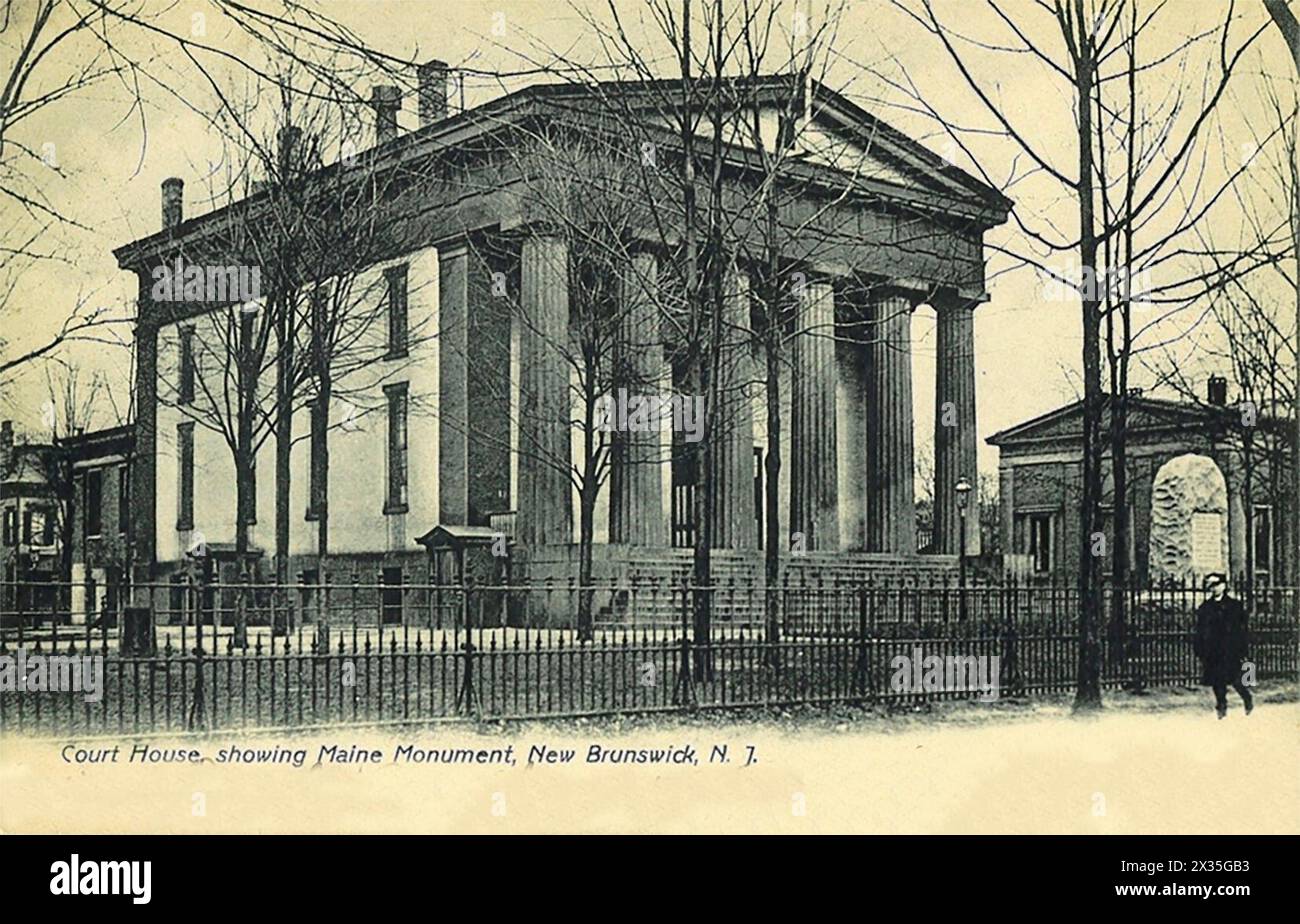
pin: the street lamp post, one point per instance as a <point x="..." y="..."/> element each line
<point x="963" y="489"/>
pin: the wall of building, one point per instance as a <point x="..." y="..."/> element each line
<point x="1033" y="484"/>
<point x="358" y="439"/>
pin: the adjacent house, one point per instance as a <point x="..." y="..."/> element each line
<point x="31" y="546"/>
<point x="98" y="467"/>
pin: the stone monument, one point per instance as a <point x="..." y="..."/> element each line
<point x="1189" y="520"/>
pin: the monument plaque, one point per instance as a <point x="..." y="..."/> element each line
<point x="1207" y="542"/>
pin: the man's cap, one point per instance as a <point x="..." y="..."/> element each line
<point x="1212" y="580"/>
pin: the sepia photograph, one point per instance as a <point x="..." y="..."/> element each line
<point x="870" y="417"/>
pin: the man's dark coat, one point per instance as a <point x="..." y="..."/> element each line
<point x="1221" y="638"/>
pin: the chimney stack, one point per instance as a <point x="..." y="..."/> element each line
<point x="6" y="445"/>
<point x="1216" y="391"/>
<point x="386" y="101"/>
<point x="433" y="92"/>
<point x="173" y="193"/>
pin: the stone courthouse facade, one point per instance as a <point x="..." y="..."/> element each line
<point x="470" y="424"/>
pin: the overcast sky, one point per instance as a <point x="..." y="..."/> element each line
<point x="1027" y="347"/>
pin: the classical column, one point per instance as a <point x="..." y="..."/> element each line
<point x="488" y="391"/>
<point x="142" y="531"/>
<point x="954" y="426"/>
<point x="545" y="511"/>
<point x="731" y="454"/>
<point x="453" y="385"/>
<point x="814" y="476"/>
<point x="637" y="461"/>
<point x="891" y="513"/>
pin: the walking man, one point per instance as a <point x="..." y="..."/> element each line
<point x="1221" y="638"/>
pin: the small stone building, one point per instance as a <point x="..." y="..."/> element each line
<point x="1173" y="450"/>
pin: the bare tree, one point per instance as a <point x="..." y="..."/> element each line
<point x="1244" y="334"/>
<point x="315" y="326"/>
<point x="1131" y="219"/>
<point x="73" y="401"/>
<point x="56" y="52"/>
<point x="1285" y="19"/>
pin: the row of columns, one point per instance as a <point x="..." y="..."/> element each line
<point x="881" y="411"/>
<point x="886" y="460"/>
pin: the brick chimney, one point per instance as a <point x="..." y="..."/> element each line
<point x="173" y="195"/>
<point x="6" y="445"/>
<point x="386" y="101"/>
<point x="1216" y="391"/>
<point x="433" y="92"/>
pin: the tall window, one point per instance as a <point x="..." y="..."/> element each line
<point x="38" y="526"/>
<point x="1263" y="527"/>
<point x="395" y="278"/>
<point x="1040" y="542"/>
<point x="395" y="500"/>
<point x="93" y="500"/>
<point x="123" y="498"/>
<point x="11" y="526"/>
<point x="185" y="467"/>
<point x="316" y="473"/>
<point x="185" y="387"/>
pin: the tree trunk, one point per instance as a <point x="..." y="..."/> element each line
<point x="1088" y="692"/>
<point x="586" y="533"/>
<point x="702" y="521"/>
<point x="1119" y="504"/>
<point x="1248" y="501"/>
<point x="1287" y="24"/>
<point x="772" y="463"/>
<point x="587" y="499"/>
<point x="323" y="395"/>
<point x="772" y="487"/>
<point x="283" y="467"/>
<point x="245" y="502"/>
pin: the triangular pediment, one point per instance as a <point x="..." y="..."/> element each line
<point x="831" y="133"/>
<point x="1065" y="424"/>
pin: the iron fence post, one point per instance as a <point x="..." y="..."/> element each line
<point x="684" y="692"/>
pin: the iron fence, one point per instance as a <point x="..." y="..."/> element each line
<point x="262" y="656"/>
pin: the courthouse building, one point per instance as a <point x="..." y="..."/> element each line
<point x="460" y="421"/>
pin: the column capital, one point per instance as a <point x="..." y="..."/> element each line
<point x="947" y="298"/>
<point x="915" y="291"/>
<point x="451" y="247"/>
